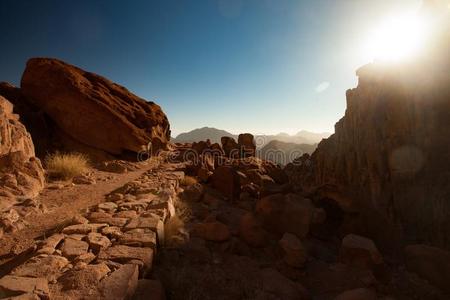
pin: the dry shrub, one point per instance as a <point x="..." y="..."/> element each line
<point x="171" y="228"/>
<point x="66" y="165"/>
<point x="188" y="180"/>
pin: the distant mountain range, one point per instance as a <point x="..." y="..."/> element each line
<point x="283" y="153"/>
<point x="214" y="134"/>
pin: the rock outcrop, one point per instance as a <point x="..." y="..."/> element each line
<point x="21" y="173"/>
<point x="388" y="162"/>
<point x="84" y="112"/>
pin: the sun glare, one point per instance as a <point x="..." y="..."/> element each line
<point x="397" y="38"/>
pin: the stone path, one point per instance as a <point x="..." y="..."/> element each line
<point x="106" y="253"/>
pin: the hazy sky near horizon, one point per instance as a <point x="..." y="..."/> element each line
<point x="260" y="66"/>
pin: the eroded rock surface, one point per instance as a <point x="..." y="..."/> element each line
<point x="21" y="173"/>
<point x="91" y="114"/>
<point x="388" y="162"/>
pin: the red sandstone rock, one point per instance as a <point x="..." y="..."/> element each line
<point x="121" y="284"/>
<point x="212" y="231"/>
<point x="388" y="159"/>
<point x="246" y="144"/>
<point x="226" y="180"/>
<point x="251" y="231"/>
<point x="294" y="252"/>
<point x="360" y="251"/>
<point x="93" y="111"/>
<point x="286" y="213"/>
<point x="21" y="173"/>
<point x="230" y="147"/>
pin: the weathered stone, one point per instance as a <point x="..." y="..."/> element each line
<point x="152" y="223"/>
<point x="430" y="263"/>
<point x="112" y="232"/>
<point x="115" y="197"/>
<point x="286" y="213"/>
<point x="78" y="219"/>
<point x="123" y="254"/>
<point x="193" y="192"/>
<point x="294" y="252"/>
<point x="76" y="236"/>
<point x="21" y="173"/>
<point x="251" y="231"/>
<point x="133" y="205"/>
<point x="72" y="248"/>
<point x="98" y="241"/>
<point x="48" y="267"/>
<point x="85" y="258"/>
<point x="246" y="144"/>
<point x="98" y="215"/>
<point x="212" y="231"/>
<point x="226" y="180"/>
<point x="83" y="228"/>
<point x="14" y="285"/>
<point x="118" y="222"/>
<point x="388" y="159"/>
<point x="53" y="241"/>
<point x="139" y="237"/>
<point x="85" y="279"/>
<point x="83" y="179"/>
<point x="97" y="114"/>
<point x="27" y="296"/>
<point x="121" y="284"/>
<point x="107" y="206"/>
<point x="204" y="174"/>
<point x="360" y="251"/>
<point x="230" y="147"/>
<point x="167" y="206"/>
<point x="129" y="214"/>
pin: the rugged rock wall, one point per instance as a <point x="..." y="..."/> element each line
<point x="21" y="174"/>
<point x="74" y="110"/>
<point x="389" y="159"/>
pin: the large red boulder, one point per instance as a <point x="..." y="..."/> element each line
<point x="247" y="144"/>
<point x="226" y="180"/>
<point x="92" y="113"/>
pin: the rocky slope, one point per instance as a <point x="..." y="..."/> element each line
<point x="70" y="109"/>
<point x="388" y="163"/>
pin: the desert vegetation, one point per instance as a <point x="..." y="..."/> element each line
<point x="66" y="165"/>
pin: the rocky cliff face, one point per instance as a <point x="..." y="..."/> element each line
<point x="21" y="174"/>
<point x="388" y="162"/>
<point x="70" y="109"/>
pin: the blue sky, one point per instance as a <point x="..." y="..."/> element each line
<point x="260" y="66"/>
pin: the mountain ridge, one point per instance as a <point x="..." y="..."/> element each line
<point x="214" y="134"/>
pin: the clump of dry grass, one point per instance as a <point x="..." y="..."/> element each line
<point x="188" y="180"/>
<point x="171" y="229"/>
<point x="66" y="165"/>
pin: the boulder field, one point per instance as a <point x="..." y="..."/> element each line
<point x="364" y="217"/>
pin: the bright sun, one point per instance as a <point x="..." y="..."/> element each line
<point x="397" y="38"/>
